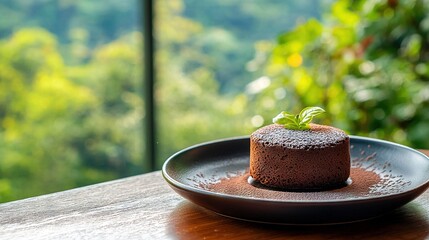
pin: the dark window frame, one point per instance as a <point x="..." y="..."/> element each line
<point x="149" y="80"/>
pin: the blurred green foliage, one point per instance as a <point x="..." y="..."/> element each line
<point x="366" y="64"/>
<point x="202" y="69"/>
<point x="61" y="126"/>
<point x="231" y="29"/>
<point x="71" y="110"/>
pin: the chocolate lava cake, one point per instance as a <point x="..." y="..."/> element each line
<point x="316" y="158"/>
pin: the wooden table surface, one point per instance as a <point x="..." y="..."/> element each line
<point x="145" y="207"/>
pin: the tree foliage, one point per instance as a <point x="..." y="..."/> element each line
<point x="366" y="63"/>
<point x="63" y="127"/>
<point x="71" y="109"/>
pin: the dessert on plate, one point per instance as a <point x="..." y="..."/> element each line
<point x="294" y="154"/>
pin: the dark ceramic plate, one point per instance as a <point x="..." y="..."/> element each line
<point x="403" y="175"/>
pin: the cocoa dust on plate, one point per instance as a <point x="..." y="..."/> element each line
<point x="368" y="178"/>
<point x="362" y="181"/>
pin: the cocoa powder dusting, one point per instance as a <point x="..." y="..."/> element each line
<point x="368" y="178"/>
<point x="362" y="181"/>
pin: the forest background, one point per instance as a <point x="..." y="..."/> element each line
<point x="71" y="74"/>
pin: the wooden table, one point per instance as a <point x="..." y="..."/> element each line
<point x="144" y="207"/>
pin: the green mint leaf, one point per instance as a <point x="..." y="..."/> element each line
<point x="300" y="121"/>
<point x="284" y="118"/>
<point x="307" y="114"/>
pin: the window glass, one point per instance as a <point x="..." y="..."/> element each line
<point x="70" y="94"/>
<point x="228" y="67"/>
<point x="71" y="79"/>
<point x="209" y="56"/>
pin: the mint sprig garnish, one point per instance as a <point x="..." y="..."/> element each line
<point x="300" y="121"/>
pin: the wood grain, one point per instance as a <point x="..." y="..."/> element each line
<point x="144" y="207"/>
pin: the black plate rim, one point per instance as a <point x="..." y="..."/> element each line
<point x="177" y="184"/>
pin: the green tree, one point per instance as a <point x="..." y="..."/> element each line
<point x="67" y="126"/>
<point x="38" y="108"/>
<point x="190" y="107"/>
<point x="104" y="21"/>
<point x="113" y="134"/>
<point x="232" y="27"/>
<point x="366" y="64"/>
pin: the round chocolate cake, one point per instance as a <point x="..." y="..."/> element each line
<point x="316" y="158"/>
